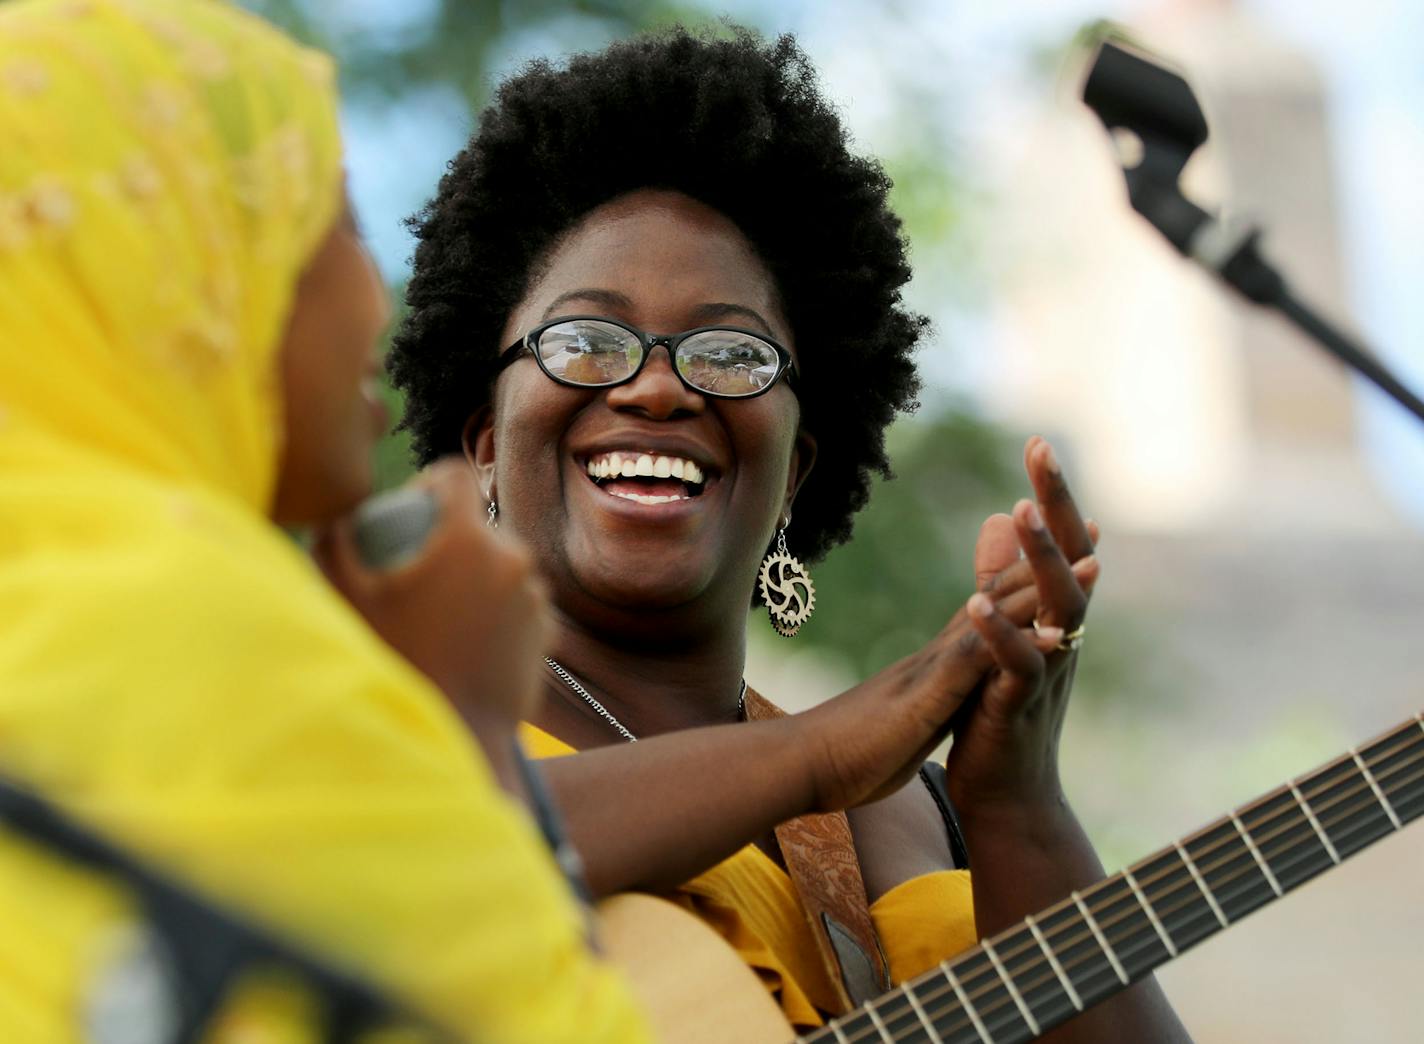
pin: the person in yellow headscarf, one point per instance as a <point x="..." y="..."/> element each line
<point x="187" y="322"/>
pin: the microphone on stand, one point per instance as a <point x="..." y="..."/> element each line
<point x="1132" y="93"/>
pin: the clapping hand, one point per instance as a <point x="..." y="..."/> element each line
<point x="1005" y="753"/>
<point x="997" y="681"/>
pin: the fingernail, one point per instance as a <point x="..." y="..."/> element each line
<point x="1086" y="564"/>
<point x="980" y="606"/>
<point x="1032" y="517"/>
<point x="1050" y="458"/>
<point x="1049" y="635"/>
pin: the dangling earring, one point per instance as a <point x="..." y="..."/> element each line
<point x="786" y="588"/>
<point x="492" y="515"/>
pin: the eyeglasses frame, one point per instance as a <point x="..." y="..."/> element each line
<point x="786" y="366"/>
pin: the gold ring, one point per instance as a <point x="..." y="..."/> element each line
<point x="1069" y="641"/>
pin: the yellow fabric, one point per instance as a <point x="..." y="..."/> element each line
<point x="752" y="904"/>
<point x="172" y="670"/>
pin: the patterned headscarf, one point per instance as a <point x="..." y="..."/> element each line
<point x="167" y="168"/>
<point x="173" y="671"/>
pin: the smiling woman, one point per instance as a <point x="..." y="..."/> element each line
<point x="648" y="367"/>
<point x="662" y="261"/>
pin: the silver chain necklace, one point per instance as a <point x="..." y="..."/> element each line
<point x="607" y="715"/>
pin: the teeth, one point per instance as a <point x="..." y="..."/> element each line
<point x="629" y="465"/>
<point x="643" y="498"/>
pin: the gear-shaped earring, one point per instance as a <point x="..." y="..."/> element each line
<point x="786" y="589"/>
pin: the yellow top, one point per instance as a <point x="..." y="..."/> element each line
<point x="172" y="670"/>
<point x="751" y="903"/>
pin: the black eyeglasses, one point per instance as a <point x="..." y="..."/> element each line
<point x="589" y="351"/>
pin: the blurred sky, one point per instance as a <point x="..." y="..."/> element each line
<point x="964" y="71"/>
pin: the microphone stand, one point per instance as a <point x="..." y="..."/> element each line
<point x="1130" y="93"/>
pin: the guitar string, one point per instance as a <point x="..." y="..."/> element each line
<point x="1144" y="939"/>
<point x="1126" y="950"/>
<point x="1129" y="949"/>
<point x="1007" y="953"/>
<point x="1413" y="738"/>
<point x="1189" y="885"/>
<point x="1148" y="936"/>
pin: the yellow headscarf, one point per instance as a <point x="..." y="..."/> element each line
<point x="167" y="170"/>
<point x="172" y="670"/>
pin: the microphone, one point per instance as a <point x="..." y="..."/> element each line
<point x="1152" y="101"/>
<point x="390" y="529"/>
<point x="1130" y="93"/>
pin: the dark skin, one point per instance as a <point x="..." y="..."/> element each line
<point x="649" y="607"/>
<point x="469" y="580"/>
<point x="329" y="368"/>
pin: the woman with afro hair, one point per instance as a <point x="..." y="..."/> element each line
<point x="657" y="305"/>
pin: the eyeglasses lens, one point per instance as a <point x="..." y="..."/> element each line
<point x="727" y="362"/>
<point x="588" y="352"/>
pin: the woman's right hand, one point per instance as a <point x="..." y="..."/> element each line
<point x="870" y="741"/>
<point x="469" y="611"/>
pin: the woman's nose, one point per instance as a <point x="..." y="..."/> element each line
<point x="657" y="392"/>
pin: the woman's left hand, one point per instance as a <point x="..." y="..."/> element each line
<point x="1026" y="847"/>
<point x="1004" y="761"/>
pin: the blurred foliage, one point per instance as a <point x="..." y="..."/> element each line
<point x="910" y="565"/>
<point x="1058" y="58"/>
<point x="393" y="453"/>
<point x="459" y="44"/>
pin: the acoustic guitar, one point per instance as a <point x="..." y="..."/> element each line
<point x="1028" y="979"/>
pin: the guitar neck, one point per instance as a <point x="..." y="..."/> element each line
<point x="1024" y="981"/>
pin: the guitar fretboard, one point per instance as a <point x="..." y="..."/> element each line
<point x="1024" y="981"/>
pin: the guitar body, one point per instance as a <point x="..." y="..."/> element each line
<point x="694" y="986"/>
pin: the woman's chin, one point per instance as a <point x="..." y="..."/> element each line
<point x="642" y="587"/>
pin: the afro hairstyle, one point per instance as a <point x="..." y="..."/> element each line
<point x="737" y="123"/>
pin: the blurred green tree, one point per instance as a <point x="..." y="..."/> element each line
<point x="910" y="566"/>
<point x="457" y="44"/>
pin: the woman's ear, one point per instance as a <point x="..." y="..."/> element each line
<point x="803" y="457"/>
<point x="478" y="442"/>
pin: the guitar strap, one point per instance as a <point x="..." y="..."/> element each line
<point x="825" y="870"/>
